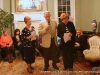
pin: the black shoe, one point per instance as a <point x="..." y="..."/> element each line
<point x="45" y="69"/>
<point x="23" y="59"/>
<point x="55" y="67"/>
<point x="70" y="69"/>
<point x="65" y="69"/>
<point x="29" y="71"/>
<point x="32" y="68"/>
<point x="10" y="61"/>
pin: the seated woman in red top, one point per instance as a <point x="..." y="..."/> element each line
<point x="6" y="45"/>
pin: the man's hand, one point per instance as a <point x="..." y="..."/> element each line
<point x="48" y="27"/>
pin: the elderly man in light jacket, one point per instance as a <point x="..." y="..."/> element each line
<point x="47" y="29"/>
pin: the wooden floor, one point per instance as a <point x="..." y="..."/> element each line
<point x="88" y="66"/>
<point x="81" y="63"/>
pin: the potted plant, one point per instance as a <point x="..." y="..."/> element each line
<point x="6" y="19"/>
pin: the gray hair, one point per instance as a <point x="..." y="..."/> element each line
<point x="46" y="12"/>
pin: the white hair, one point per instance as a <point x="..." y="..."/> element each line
<point x="46" y="12"/>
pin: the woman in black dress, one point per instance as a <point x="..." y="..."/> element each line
<point x="67" y="28"/>
<point x="79" y="40"/>
<point x="17" y="42"/>
<point x="28" y="39"/>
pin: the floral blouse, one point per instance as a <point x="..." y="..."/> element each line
<point x="25" y="33"/>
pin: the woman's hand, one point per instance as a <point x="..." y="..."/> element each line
<point x="70" y="34"/>
<point x="7" y="45"/>
<point x="29" y="37"/>
<point x="3" y="46"/>
<point x="77" y="44"/>
<point x="19" y="43"/>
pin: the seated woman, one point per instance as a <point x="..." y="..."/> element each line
<point x="6" y="45"/>
<point x="80" y="41"/>
<point x="17" y="43"/>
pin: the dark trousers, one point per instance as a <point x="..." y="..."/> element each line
<point x="68" y="54"/>
<point x="21" y="49"/>
<point x="58" y="53"/>
<point x="50" y="51"/>
<point x="7" y="50"/>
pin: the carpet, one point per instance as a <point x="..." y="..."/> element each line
<point x="19" y="67"/>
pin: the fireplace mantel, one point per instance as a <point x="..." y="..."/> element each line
<point x="19" y="17"/>
<point x="36" y="16"/>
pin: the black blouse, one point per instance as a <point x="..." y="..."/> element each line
<point x="15" y="41"/>
<point x="69" y="27"/>
<point x="80" y="40"/>
<point x="25" y="33"/>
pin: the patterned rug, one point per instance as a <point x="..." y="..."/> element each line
<point x="19" y="67"/>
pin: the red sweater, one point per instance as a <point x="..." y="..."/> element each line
<point x="6" y="40"/>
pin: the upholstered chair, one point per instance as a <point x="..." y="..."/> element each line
<point x="93" y="53"/>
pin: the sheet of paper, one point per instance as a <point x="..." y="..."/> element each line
<point x="66" y="37"/>
<point x="34" y="35"/>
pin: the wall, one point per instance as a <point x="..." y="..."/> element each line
<point x="21" y="25"/>
<point x="46" y="6"/>
<point x="78" y="13"/>
<point x="1" y="4"/>
<point x="51" y="7"/>
<point x="86" y="11"/>
<point x="9" y="6"/>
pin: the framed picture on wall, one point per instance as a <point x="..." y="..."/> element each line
<point x="28" y="5"/>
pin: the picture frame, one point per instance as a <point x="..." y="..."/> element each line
<point x="28" y="5"/>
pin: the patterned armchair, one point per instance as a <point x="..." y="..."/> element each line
<point x="93" y="53"/>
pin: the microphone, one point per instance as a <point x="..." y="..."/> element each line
<point x="48" y="22"/>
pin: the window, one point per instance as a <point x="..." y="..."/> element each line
<point x="67" y="6"/>
<point x="63" y="6"/>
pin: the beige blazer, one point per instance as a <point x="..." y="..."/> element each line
<point x="46" y="36"/>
